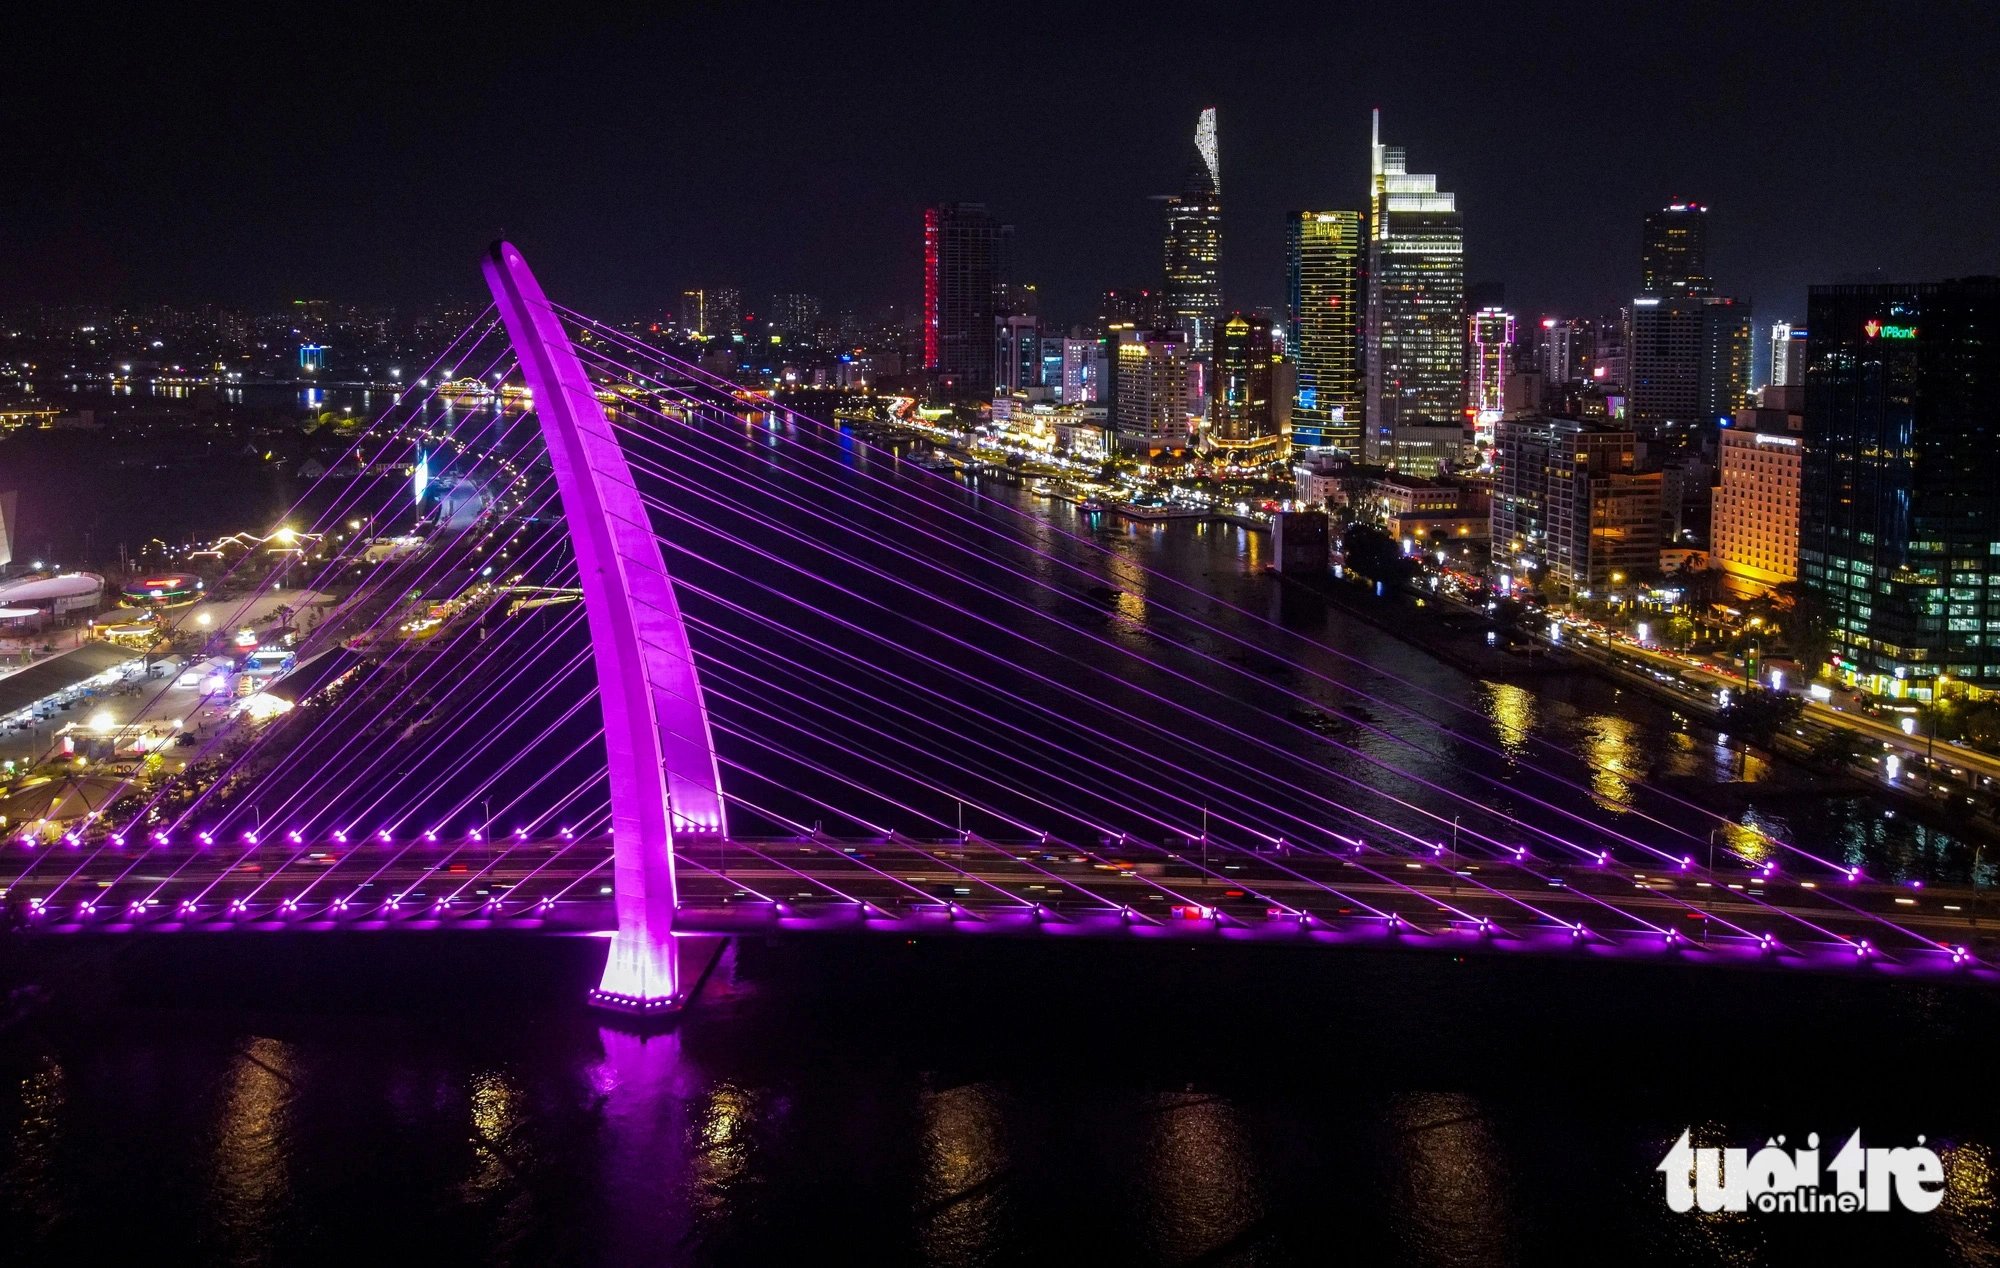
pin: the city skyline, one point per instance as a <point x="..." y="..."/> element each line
<point x="651" y="186"/>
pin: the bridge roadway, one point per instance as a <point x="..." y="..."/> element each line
<point x="977" y="886"/>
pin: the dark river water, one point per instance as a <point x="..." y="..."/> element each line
<point x="447" y="1098"/>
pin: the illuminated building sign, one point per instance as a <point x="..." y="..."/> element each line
<point x="1878" y="330"/>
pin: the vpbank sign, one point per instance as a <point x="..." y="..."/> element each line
<point x="1780" y="1183"/>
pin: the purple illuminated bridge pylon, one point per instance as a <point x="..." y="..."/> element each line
<point x="656" y="733"/>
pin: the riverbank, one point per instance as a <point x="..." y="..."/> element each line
<point x="1457" y="635"/>
<point x="1454" y="634"/>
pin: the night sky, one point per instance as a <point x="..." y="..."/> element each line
<point x="318" y="151"/>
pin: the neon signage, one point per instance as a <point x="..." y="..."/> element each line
<point x="1879" y="330"/>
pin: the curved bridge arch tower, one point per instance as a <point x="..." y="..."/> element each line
<point x="656" y="736"/>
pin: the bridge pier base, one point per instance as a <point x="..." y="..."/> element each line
<point x="642" y="975"/>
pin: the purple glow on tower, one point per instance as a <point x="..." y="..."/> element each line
<point x="660" y="756"/>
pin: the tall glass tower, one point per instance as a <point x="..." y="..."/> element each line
<point x="965" y="264"/>
<point x="1416" y="301"/>
<point x="1899" y="530"/>
<point x="1323" y="298"/>
<point x="1242" y="422"/>
<point x="1194" y="242"/>
<point x="1674" y="258"/>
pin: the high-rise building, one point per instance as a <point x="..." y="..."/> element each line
<point x="694" y="318"/>
<point x="1610" y="361"/>
<point x="1518" y="518"/>
<point x="1754" y="528"/>
<point x="1788" y="354"/>
<point x="1133" y="306"/>
<point x="1156" y="393"/>
<point x="1194" y="242"/>
<point x="965" y="262"/>
<point x="1017" y="353"/>
<point x="1015" y="299"/>
<point x="1051" y="365"/>
<point x="1900" y="512"/>
<point x="1323" y="302"/>
<point x="722" y="313"/>
<point x="1673" y="260"/>
<point x="1689" y="364"/>
<point x="1083" y="371"/>
<point x="1492" y="338"/>
<point x="1416" y="305"/>
<point x="794" y="317"/>
<point x="1602" y="515"/>
<point x="1242" y="413"/>
<point x="1570" y="503"/>
<point x="1566" y="347"/>
<point x="1729" y="339"/>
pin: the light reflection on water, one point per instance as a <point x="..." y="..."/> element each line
<point x="1616" y="757"/>
<point x="961" y="1197"/>
<point x="1449" y="1182"/>
<point x="1969" y="1204"/>
<point x="250" y="1173"/>
<point x="725" y="1122"/>
<point x="496" y="1112"/>
<point x="1201" y="1184"/>
<point x="30" y="1184"/>
<point x="1515" y="712"/>
<point x="642" y="1098"/>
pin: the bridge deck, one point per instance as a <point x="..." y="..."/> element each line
<point x="979" y="887"/>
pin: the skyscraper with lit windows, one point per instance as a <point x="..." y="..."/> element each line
<point x="1156" y="392"/>
<point x="1788" y="354"/>
<point x="1194" y="242"/>
<point x="1415" y="342"/>
<point x="1242" y="413"/>
<point x="1674" y="257"/>
<point x="965" y="261"/>
<point x="1323" y="303"/>
<point x="1899" y="530"/>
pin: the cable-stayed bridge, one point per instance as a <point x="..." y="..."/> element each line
<point x="674" y="659"/>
